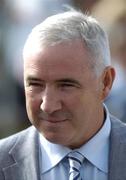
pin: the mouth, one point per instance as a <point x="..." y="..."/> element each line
<point x="54" y="121"/>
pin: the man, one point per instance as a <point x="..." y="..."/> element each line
<point x="67" y="76"/>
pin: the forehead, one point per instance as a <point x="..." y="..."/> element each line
<point x="62" y="59"/>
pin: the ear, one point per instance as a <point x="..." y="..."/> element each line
<point x="107" y="81"/>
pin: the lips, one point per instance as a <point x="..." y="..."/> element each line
<point x="55" y="121"/>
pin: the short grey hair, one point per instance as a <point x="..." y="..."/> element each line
<point x="69" y="26"/>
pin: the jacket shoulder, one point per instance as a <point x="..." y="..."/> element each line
<point x="118" y="129"/>
<point x="7" y="144"/>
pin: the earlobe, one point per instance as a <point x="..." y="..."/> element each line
<point x="107" y="81"/>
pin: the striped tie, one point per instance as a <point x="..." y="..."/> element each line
<point x="75" y="161"/>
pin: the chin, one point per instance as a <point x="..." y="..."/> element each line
<point x="55" y="138"/>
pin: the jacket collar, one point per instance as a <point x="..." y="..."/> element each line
<point x="24" y="155"/>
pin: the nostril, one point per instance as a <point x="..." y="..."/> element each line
<point x="44" y="105"/>
<point x="50" y="105"/>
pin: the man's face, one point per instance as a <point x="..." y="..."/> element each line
<point x="63" y="95"/>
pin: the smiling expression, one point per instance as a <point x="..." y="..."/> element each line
<point x="63" y="95"/>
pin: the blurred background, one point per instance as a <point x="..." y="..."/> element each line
<point x="18" y="17"/>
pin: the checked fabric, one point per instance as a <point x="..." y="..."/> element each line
<point x="75" y="161"/>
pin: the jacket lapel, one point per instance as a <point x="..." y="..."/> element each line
<point x="25" y="158"/>
<point x="117" y="165"/>
<point x="23" y="170"/>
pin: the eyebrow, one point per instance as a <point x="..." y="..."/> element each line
<point x="68" y="80"/>
<point x="31" y="78"/>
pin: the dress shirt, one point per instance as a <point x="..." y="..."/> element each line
<point x="54" y="164"/>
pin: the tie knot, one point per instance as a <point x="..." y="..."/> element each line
<point x="75" y="160"/>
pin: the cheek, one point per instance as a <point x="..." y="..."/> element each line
<point x="77" y="100"/>
<point x="75" y="105"/>
<point x="32" y="103"/>
<point x="32" y="110"/>
<point x="81" y="105"/>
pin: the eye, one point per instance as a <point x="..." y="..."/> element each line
<point x="32" y="83"/>
<point x="67" y="86"/>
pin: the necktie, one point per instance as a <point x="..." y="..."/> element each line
<point x="75" y="161"/>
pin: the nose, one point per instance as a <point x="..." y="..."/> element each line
<point x="50" y="101"/>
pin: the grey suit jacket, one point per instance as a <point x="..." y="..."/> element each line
<point x="19" y="154"/>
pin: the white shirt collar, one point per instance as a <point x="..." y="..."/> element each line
<point x="52" y="154"/>
<point x="96" y="150"/>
